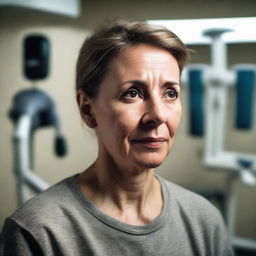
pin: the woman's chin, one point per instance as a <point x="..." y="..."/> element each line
<point x="150" y="162"/>
<point x="149" y="158"/>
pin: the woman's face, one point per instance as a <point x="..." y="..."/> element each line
<point x="138" y="108"/>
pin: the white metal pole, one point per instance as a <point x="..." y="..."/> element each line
<point x="25" y="177"/>
<point x="21" y="156"/>
<point x="216" y="94"/>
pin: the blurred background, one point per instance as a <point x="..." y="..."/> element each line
<point x="66" y="33"/>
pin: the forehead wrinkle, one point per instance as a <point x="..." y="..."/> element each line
<point x="156" y="79"/>
<point x="152" y="78"/>
<point x="150" y="68"/>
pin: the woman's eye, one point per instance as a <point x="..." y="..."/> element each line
<point x="171" y="93"/>
<point x="132" y="93"/>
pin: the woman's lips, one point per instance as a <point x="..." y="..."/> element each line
<point x="150" y="142"/>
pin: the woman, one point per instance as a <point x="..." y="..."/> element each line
<point x="128" y="91"/>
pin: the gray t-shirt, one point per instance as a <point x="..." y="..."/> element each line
<point x="61" y="221"/>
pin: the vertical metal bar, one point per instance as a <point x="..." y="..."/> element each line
<point x="230" y="205"/>
<point x="21" y="156"/>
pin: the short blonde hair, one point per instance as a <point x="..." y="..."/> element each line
<point x="104" y="44"/>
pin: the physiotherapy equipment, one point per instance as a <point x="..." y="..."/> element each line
<point x="31" y="110"/>
<point x="209" y="87"/>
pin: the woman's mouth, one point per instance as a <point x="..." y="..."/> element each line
<point x="150" y="142"/>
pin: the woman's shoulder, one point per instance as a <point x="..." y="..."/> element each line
<point x="46" y="205"/>
<point x="41" y="218"/>
<point x="198" y="217"/>
<point x="190" y="203"/>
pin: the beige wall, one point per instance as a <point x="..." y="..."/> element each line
<point x="66" y="35"/>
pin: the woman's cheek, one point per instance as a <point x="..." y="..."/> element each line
<point x="177" y="114"/>
<point x="127" y="120"/>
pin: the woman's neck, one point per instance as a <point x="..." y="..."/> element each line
<point x="131" y="196"/>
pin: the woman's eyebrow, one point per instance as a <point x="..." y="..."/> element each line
<point x="143" y="83"/>
<point x="171" y="83"/>
<point x="135" y="82"/>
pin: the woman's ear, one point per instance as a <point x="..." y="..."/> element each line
<point x="85" y="107"/>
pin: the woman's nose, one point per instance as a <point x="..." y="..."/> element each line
<point x="155" y="114"/>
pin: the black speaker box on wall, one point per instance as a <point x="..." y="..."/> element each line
<point x="36" y="57"/>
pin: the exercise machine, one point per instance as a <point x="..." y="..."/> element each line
<point x="31" y="110"/>
<point x="209" y="87"/>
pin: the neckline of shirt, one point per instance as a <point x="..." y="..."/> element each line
<point x="156" y="224"/>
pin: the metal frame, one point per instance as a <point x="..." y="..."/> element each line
<point x="31" y="110"/>
<point x="217" y="80"/>
<point x="25" y="177"/>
